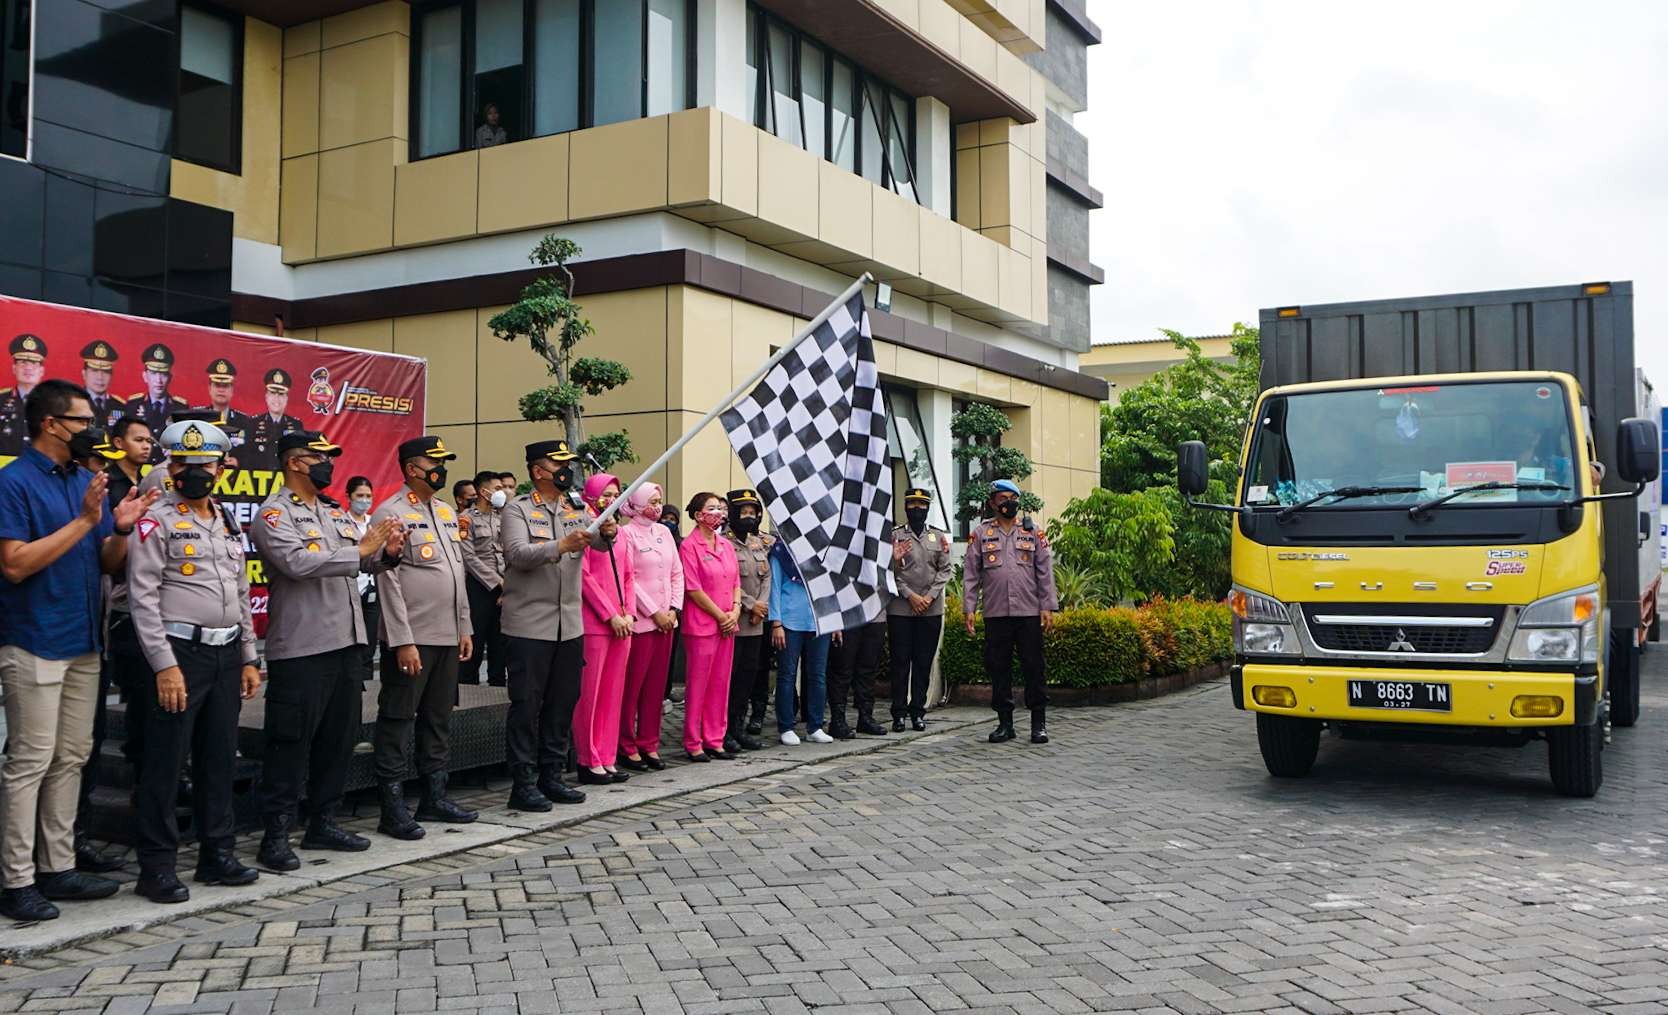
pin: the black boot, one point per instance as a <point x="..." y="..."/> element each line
<point x="524" y="791"/>
<point x="324" y="833"/>
<point x="89" y="860"/>
<point x="840" y="731"/>
<point x="897" y="724"/>
<point x="557" y="791"/>
<point x="748" y="743"/>
<point x="275" y="852"/>
<point x="161" y="886"/>
<point x="396" y="820"/>
<point x="1004" y="730"/>
<point x="435" y="806"/>
<point x="220" y="866"/>
<point x="1039" y="726"/>
<point x="918" y="724"/>
<point x="867" y="726"/>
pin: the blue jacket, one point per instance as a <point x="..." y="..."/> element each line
<point x="790" y="602"/>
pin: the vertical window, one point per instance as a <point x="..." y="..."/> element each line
<point x="617" y="63"/>
<point x="813" y="102"/>
<point x="499" y="82"/>
<point x="754" y="80"/>
<point x="440" y="80"/>
<point x="899" y="131"/>
<point x="555" y="66"/>
<point x="784" y="92"/>
<point x="14" y="78"/>
<point x="871" y="147"/>
<point x="208" y="110"/>
<point x="668" y="56"/>
<point x="906" y="441"/>
<point x="842" y="116"/>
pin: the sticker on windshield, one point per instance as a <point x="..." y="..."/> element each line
<point x="1256" y="495"/>
<point x="1464" y="474"/>
<point x="1543" y="392"/>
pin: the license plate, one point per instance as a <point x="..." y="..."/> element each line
<point x="1412" y="695"/>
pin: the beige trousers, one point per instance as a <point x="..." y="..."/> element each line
<point x="49" y="726"/>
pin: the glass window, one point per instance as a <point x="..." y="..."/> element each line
<point x="440" y="80"/>
<point x="754" y="109"/>
<point x="208" y="113"/>
<point x="907" y="443"/>
<point x="555" y="66"/>
<point x="14" y="78"/>
<point x="813" y="104"/>
<point x="784" y="98"/>
<point x="617" y="63"/>
<point x="898" y="146"/>
<point x="499" y="80"/>
<point x="870" y="149"/>
<point x="668" y="56"/>
<point x="842" y="121"/>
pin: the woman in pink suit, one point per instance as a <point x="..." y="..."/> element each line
<point x="607" y="594"/>
<point x="712" y="592"/>
<point x="658" y="574"/>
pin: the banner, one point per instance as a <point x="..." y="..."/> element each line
<point x="367" y="402"/>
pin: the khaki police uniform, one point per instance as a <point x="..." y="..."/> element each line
<point x="1008" y="574"/>
<point x="921" y="564"/>
<point x="750" y="671"/>
<point x="484" y="559"/>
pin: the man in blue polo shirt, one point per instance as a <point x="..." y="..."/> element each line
<point x="57" y="537"/>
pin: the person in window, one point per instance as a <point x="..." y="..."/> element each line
<point x="490" y="133"/>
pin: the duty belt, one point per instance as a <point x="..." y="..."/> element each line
<point x="202" y="635"/>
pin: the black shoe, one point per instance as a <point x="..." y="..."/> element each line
<point x="74" y="886"/>
<point x="755" y="727"/>
<point x="275" y="852"/>
<point x="654" y="762"/>
<point x="590" y="778"/>
<point x="1039" y="727"/>
<point x="918" y="724"/>
<point x="557" y="791"/>
<point x="435" y="806"/>
<point x="720" y="755"/>
<point x="524" y="791"/>
<point x="26" y="905"/>
<point x="840" y="731"/>
<point x="731" y="744"/>
<point x="324" y="833"/>
<point x="163" y="887"/>
<point x="867" y="726"/>
<point x="702" y="757"/>
<point x="638" y="765"/>
<point x="222" y="867"/>
<point x="90" y="861"/>
<point x="748" y="743"/>
<point x="396" y="819"/>
<point x="897" y="724"/>
<point x="1003" y="732"/>
<point x="619" y="776"/>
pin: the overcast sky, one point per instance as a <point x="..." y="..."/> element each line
<point x="1254" y="154"/>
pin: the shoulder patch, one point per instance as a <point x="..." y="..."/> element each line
<point x="147" y="526"/>
<point x="410" y="498"/>
<point x="272" y="516"/>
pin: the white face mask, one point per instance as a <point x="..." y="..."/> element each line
<point x="361" y="505"/>
<point x="498" y="499"/>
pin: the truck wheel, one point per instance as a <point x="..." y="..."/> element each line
<point x="1288" y="744"/>
<point x="1576" y="758"/>
<point x="1623" y="678"/>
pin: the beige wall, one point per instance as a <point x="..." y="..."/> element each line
<point x="1124" y="365"/>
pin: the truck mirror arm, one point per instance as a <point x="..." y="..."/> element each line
<point x="1207" y="506"/>
<point x="1624" y="495"/>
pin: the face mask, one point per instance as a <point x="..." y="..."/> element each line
<point x="436" y="477"/>
<point x="711" y="519"/>
<point x="1008" y="509"/>
<point x="563" y="478"/>
<point x="321" y="473"/>
<point x="745" y="527"/>
<point x="498" y="499"/>
<point x="194" y="482"/>
<point x="917" y="518"/>
<point x="362" y="505"/>
<point x="81" y="444"/>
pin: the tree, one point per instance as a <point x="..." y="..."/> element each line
<point x="547" y="316"/>
<point x="978" y="431"/>
<point x="1126" y="540"/>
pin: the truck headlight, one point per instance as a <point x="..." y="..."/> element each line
<point x="1261" y="639"/>
<point x="1261" y="624"/>
<point x="1559" y="629"/>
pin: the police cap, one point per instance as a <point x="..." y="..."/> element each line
<point x="739" y="497"/>
<point x="277" y="379"/>
<point x="28" y="348"/>
<point x="159" y="359"/>
<point x="195" y="442"/>
<point x="95" y="440"/>
<point x="100" y="355"/>
<point x="917" y="494"/>
<point x="222" y="371"/>
<point x="311" y="440"/>
<point x="424" y="447"/>
<point x="555" y="450"/>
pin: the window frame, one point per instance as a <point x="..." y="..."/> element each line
<point x="233" y="18"/>
<point x="467" y="99"/>
<point x="29" y="106"/>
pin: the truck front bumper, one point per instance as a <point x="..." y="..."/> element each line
<point x="1476" y="697"/>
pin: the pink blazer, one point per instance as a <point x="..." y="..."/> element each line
<point x="712" y="570"/>
<point x="656" y="569"/>
<point x="603" y="598"/>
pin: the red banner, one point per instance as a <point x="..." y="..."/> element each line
<point x="368" y="402"/>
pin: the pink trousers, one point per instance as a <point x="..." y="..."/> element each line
<point x="645" y="689"/>
<point x="706" y="696"/>
<point x="596" y="719"/>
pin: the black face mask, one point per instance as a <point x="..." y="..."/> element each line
<point x="1008" y="509"/>
<point x="563" y="478"/>
<point x="436" y="478"/>
<point x="917" y="519"/>
<point x="744" y="527"/>
<point x="321" y="473"/>
<point x="194" y="482"/>
<point x="81" y="444"/>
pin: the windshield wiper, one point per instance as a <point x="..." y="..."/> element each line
<point x="1422" y="508"/>
<point x="1341" y="493"/>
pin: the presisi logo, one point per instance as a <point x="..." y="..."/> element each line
<point x="361" y="399"/>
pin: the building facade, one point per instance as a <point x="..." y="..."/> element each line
<point x="375" y="173"/>
<point x="1123" y="365"/>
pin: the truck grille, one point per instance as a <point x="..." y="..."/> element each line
<point x="1463" y="637"/>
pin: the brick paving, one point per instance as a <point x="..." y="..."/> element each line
<point x="1142" y="862"/>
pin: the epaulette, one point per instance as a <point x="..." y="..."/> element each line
<point x="178" y="399"/>
<point x="136" y="397"/>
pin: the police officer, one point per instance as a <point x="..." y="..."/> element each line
<point x="750" y="671"/>
<point x="921" y="566"/>
<point x="98" y="369"/>
<point x="425" y="634"/>
<point x="485" y="560"/>
<point x="222" y="374"/>
<point x="315" y="642"/>
<point x="544" y="547"/>
<point x="853" y="664"/>
<point x="28" y="367"/>
<point x="155" y="405"/>
<point x="1010" y="567"/>
<point x="275" y="422"/>
<point x="190" y="599"/>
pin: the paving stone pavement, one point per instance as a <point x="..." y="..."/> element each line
<point x="1143" y="861"/>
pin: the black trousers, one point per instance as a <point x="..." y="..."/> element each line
<point x="544" y="688"/>
<point x="914" y="644"/>
<point x="420" y="701"/>
<point x="489" y="638"/>
<point x="131" y="673"/>
<point x="749" y="679"/>
<point x="90" y="771"/>
<point x="1002" y="636"/>
<point x="312" y="721"/>
<point x="852" y="667"/>
<point x="207" y="732"/>
<point x="367" y="652"/>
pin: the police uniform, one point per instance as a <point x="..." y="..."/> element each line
<point x="156" y="413"/>
<point x="263" y="433"/>
<point x="853" y="665"/>
<point x="14" y="424"/>
<point x="484" y="559"/>
<point x="315" y="643"/>
<point x="1011" y="571"/>
<point x="423" y="605"/>
<point x="750" y="671"/>
<point x="101" y="356"/>
<point x="921" y="564"/>
<point x="236" y="424"/>
<point x="544" y="630"/>
<point x="189" y="594"/>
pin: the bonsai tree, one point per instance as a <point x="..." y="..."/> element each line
<point x="978" y="431"/>
<point x="551" y="322"/>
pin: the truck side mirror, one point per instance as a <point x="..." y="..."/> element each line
<point x="1192" y="468"/>
<point x="1638" y="450"/>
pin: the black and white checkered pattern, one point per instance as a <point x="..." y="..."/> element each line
<point x="812" y="436"/>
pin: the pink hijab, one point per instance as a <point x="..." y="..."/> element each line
<point x="594" y="487"/>
<point x="638" y="502"/>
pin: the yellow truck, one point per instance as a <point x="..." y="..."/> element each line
<point x="1421" y="545"/>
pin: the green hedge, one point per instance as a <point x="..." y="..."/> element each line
<point x="1098" y="647"/>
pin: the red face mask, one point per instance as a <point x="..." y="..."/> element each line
<point x="711" y="519"/>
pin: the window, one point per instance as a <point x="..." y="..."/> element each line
<point x="811" y="97"/>
<point x="208" y="113"/>
<point x="489" y="72"/>
<point x="906" y="441"/>
<point x="15" y="66"/>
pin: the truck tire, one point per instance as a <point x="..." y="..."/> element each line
<point x="1575" y="755"/>
<point x="1289" y="744"/>
<point x="1623" y="678"/>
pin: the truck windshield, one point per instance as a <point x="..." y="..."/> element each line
<point x="1415" y="443"/>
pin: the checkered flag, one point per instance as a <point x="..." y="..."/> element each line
<point x="812" y="436"/>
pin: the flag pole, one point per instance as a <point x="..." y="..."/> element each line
<point x="740" y="389"/>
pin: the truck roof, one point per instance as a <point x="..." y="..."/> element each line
<point x="1427" y="381"/>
